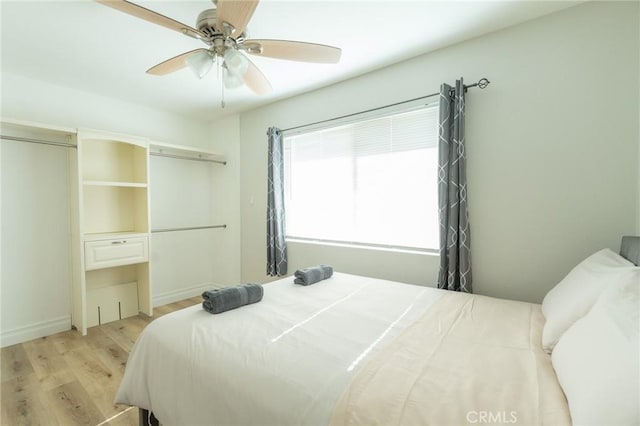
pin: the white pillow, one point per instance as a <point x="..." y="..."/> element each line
<point x="597" y="360"/>
<point x="572" y="297"/>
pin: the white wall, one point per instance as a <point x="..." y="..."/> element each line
<point x="33" y="100"/>
<point x="552" y="149"/>
<point x="225" y="134"/>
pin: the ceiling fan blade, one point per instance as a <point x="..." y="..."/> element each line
<point x="174" y="64"/>
<point x="294" y="51"/>
<point x="151" y="16"/>
<point x="255" y="80"/>
<point x="235" y="12"/>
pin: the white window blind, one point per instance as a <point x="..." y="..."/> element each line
<point x="371" y="182"/>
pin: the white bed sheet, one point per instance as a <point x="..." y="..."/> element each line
<point x="284" y="360"/>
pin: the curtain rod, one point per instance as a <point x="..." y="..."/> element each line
<point x="40" y="141"/>
<point x="482" y="83"/>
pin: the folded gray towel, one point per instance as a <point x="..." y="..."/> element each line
<point x="313" y="274"/>
<point x="224" y="299"/>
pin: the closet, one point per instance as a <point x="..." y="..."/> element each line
<point x="99" y="226"/>
<point x="35" y="283"/>
<point x="185" y="221"/>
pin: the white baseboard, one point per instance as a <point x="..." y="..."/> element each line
<point x="35" y="330"/>
<point x="183" y="293"/>
<point x="63" y="323"/>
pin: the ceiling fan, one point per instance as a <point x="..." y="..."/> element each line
<point x="223" y="30"/>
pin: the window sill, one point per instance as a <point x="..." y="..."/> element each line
<point x="391" y="249"/>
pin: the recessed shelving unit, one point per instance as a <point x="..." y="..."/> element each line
<point x="113" y="229"/>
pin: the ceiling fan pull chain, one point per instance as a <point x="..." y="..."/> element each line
<point x="220" y="78"/>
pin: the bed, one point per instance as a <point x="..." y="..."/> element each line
<point x="363" y="351"/>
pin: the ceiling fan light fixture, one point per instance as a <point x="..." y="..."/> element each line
<point x="235" y="62"/>
<point x="230" y="79"/>
<point x="200" y="63"/>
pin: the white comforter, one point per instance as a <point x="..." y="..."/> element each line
<point x="284" y="360"/>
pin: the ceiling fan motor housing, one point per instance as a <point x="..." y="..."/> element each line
<point x="207" y="22"/>
<point x="208" y="25"/>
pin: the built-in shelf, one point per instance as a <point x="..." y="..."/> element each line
<point x="113" y="221"/>
<point x="7" y="122"/>
<point x="113" y="183"/>
<point x="185" y="152"/>
<point x="28" y="131"/>
<point x="113" y="235"/>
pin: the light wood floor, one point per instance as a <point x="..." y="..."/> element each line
<point x="67" y="379"/>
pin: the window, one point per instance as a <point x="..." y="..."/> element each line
<point x="372" y="182"/>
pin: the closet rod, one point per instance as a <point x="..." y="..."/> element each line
<point x="482" y="83"/>
<point x="184" y="157"/>
<point x="187" y="229"/>
<point x="40" y="141"/>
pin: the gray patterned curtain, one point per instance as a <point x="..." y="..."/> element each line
<point x="276" y="244"/>
<point x="455" y="253"/>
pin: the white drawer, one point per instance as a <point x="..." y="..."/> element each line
<point x="108" y="253"/>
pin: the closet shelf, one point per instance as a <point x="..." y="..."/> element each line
<point x="113" y="235"/>
<point x="114" y="183"/>
<point x="160" y="148"/>
<point x="32" y="125"/>
<point x="27" y="131"/>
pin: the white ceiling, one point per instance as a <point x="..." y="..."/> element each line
<point x="90" y="47"/>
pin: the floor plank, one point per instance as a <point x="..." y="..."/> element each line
<point x="25" y="403"/>
<point x="49" y="365"/>
<point x="107" y="351"/>
<point x="67" y="341"/>
<point x="125" y="333"/>
<point x="73" y="406"/>
<point x="186" y="303"/>
<point x="15" y="363"/>
<point x="68" y="379"/>
<point x="98" y="381"/>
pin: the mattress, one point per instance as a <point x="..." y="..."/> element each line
<point x="347" y="350"/>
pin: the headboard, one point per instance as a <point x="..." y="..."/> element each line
<point x="630" y="249"/>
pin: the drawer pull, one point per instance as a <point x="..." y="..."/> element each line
<point x="119" y="242"/>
